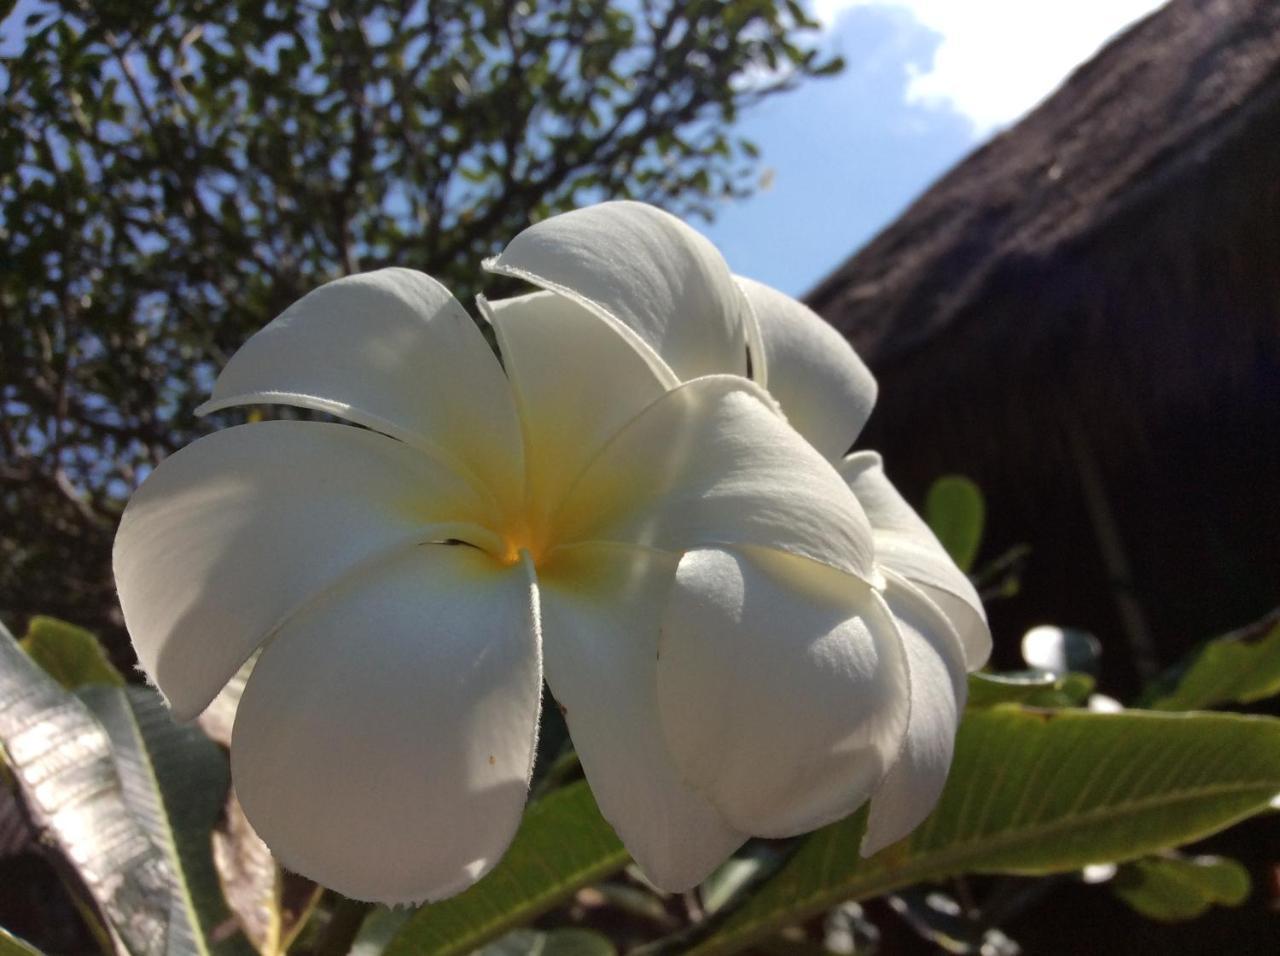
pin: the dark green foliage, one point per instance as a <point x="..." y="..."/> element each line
<point x="1031" y="688"/>
<point x="1035" y="792"/>
<point x="172" y="176"/>
<point x="70" y="655"/>
<point x="10" y="945"/>
<point x="1175" y="888"/>
<point x="63" y="768"/>
<point x="956" y="512"/>
<point x="1237" y="668"/>
<point x="562" y="845"/>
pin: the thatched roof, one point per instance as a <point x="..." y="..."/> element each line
<point x="1168" y="98"/>
<point x="1084" y="316"/>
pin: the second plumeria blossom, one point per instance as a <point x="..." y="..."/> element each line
<point x="741" y="648"/>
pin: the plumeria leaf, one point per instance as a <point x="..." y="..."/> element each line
<point x="1033" y="792"/>
<point x="1237" y="668"/>
<point x="563" y="844"/>
<point x="633" y="898"/>
<point x="71" y="655"/>
<point x="1032" y="688"/>
<point x="16" y="833"/>
<point x="1176" y="888"/>
<point x="61" y="758"/>
<point x="11" y="945"/>
<point x="738" y="874"/>
<point x="378" y="929"/>
<point x="174" y="782"/>
<point x="955" y="511"/>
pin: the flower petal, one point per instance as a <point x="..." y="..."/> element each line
<point x="385" y="738"/>
<point x="601" y="607"/>
<point x="782" y="686"/>
<point x="645" y="271"/>
<point x="938" y="691"/>
<point x="233" y="533"/>
<point x="394" y="351"/>
<point x="905" y="544"/>
<point x="711" y="464"/>
<point x="568" y="413"/>
<point x="824" y="388"/>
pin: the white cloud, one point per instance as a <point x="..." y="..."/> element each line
<point x="999" y="58"/>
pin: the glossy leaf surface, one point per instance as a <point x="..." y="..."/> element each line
<point x="1035" y="792"/>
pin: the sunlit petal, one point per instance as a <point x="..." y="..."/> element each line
<point x="710" y="463"/>
<point x="938" y="691"/>
<point x="237" y="530"/>
<point x="736" y="643"/>
<point x="384" y="741"/>
<point x="576" y="379"/>
<point x="782" y="686"/>
<point x="601" y="607"/>
<point x="905" y="544"/>
<point x="645" y="271"/>
<point x="394" y="351"/>
<point x="824" y="388"/>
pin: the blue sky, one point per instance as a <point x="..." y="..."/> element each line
<point x="926" y="81"/>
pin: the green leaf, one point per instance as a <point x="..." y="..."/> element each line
<point x="728" y="881"/>
<point x="11" y="945"/>
<point x="61" y="759"/>
<point x="830" y="68"/>
<point x="1031" y="688"/>
<point x="739" y="874"/>
<point x="563" y="844"/>
<point x="378" y="929"/>
<point x="557" y="942"/>
<point x="1176" y="888"/>
<point x="71" y="655"/>
<point x="1035" y="792"/>
<point x="1236" y="669"/>
<point x="632" y="900"/>
<point x="175" y="780"/>
<point x="954" y="509"/>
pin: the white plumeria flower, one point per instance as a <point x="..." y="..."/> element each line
<point x="605" y="497"/>
<point x="747" y="676"/>
<point x="944" y="630"/>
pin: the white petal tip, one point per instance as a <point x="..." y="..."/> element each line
<point x="873" y="843"/>
<point x="411" y="899"/>
<point x="175" y="713"/>
<point x="184" y="715"/>
<point x="672" y="886"/>
<point x="182" y="712"/>
<point x="231" y="401"/>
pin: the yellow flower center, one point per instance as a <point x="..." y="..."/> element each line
<point x="520" y="536"/>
